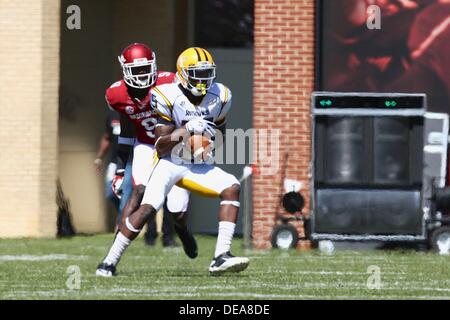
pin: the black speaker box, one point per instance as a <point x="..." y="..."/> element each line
<point x="368" y="151"/>
<point x="368" y="174"/>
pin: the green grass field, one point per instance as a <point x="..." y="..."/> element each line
<point x="37" y="269"/>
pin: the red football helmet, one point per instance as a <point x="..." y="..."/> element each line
<point x="139" y="66"/>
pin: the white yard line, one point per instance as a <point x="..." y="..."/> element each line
<point x="337" y="273"/>
<point x="159" y="295"/>
<point x="48" y="257"/>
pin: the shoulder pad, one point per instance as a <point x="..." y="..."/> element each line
<point x="115" y="93"/>
<point x="165" y="77"/>
<point x="165" y="94"/>
<point x="222" y="91"/>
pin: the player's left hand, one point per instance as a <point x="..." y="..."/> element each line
<point x="98" y="163"/>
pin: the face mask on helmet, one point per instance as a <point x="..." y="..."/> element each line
<point x="199" y="78"/>
<point x="140" y="74"/>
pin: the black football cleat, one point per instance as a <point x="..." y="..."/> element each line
<point x="188" y="241"/>
<point x="226" y="262"/>
<point x="169" y="243"/>
<point x="149" y="241"/>
<point x="106" y="270"/>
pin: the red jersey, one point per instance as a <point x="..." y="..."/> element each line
<point x="140" y="113"/>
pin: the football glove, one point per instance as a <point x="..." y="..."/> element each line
<point x="117" y="183"/>
<point x="200" y="126"/>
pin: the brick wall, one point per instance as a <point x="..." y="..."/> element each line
<point x="29" y="77"/>
<point x="283" y="82"/>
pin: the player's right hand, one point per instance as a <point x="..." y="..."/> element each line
<point x="200" y="126"/>
<point x="117" y="183"/>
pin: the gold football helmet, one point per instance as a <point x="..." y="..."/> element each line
<point x="196" y="70"/>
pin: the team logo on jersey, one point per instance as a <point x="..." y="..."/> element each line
<point x="142" y="115"/>
<point x="129" y="109"/>
<point x="197" y="113"/>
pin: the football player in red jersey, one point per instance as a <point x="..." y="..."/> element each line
<point x="130" y="97"/>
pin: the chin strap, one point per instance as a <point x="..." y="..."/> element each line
<point x="195" y="91"/>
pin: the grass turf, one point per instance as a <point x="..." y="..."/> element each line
<point x="39" y="269"/>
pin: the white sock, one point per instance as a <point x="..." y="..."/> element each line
<point x="226" y="232"/>
<point x="115" y="253"/>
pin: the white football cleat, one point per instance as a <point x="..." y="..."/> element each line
<point x="105" y="270"/>
<point x="226" y="262"/>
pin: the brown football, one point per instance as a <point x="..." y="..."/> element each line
<point x="200" y="146"/>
